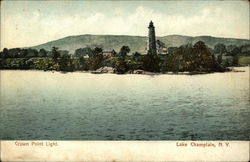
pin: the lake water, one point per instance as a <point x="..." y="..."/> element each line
<point x="82" y="106"/>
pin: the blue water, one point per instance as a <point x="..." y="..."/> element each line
<point x="81" y="106"/>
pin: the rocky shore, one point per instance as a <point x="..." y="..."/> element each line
<point x="47" y="64"/>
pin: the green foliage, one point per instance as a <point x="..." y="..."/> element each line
<point x="13" y="53"/>
<point x="81" y="52"/>
<point x="220" y="48"/>
<point x="184" y="58"/>
<point x="29" y="63"/>
<point x="172" y="50"/>
<point x="219" y="58"/>
<point x="42" y="53"/>
<point x="65" y="63"/>
<point x="151" y="63"/>
<point x="124" y="51"/>
<point x="31" y="53"/>
<point x="64" y="53"/>
<point x="96" y="59"/>
<point x="235" y="51"/>
<point x="121" y="66"/>
<point x="17" y="63"/>
<point x="110" y="61"/>
<point x="198" y="58"/>
<point x="96" y="50"/>
<point x="5" y="53"/>
<point x="245" y="50"/>
<point x="133" y="65"/>
<point x="137" y="57"/>
<point x="55" y="53"/>
<point x="199" y="47"/>
<point x="84" y="64"/>
<point x="230" y="48"/>
<point x="164" y="65"/>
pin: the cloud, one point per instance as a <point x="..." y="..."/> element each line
<point x="35" y="28"/>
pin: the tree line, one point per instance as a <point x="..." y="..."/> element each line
<point x="197" y="57"/>
<point x="220" y="48"/>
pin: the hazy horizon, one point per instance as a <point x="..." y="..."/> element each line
<point x="31" y="23"/>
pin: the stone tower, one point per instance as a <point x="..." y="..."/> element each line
<point x="151" y="38"/>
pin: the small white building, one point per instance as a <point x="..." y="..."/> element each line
<point x="108" y="52"/>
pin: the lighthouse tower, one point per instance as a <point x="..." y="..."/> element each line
<point x="151" y="39"/>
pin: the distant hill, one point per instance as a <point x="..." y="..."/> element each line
<point x="136" y="43"/>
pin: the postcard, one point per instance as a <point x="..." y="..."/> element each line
<point x="124" y="80"/>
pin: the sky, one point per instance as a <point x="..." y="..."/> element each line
<point x="29" y="23"/>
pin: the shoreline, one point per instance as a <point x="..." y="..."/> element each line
<point x="142" y="72"/>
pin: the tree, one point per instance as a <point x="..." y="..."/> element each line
<point x="83" y="64"/>
<point x="94" y="45"/>
<point x="200" y="58"/>
<point x="245" y="50"/>
<point x="186" y="48"/>
<point x="23" y="53"/>
<point x="13" y="53"/>
<point x="235" y="52"/>
<point x="171" y="50"/>
<point x="124" y="51"/>
<point x="137" y="57"/>
<point x="204" y="59"/>
<point x="219" y="58"/>
<point x="200" y="46"/>
<point x="220" y="48"/>
<point x="96" y="51"/>
<point x="64" y="63"/>
<point x="32" y="53"/>
<point x="55" y="53"/>
<point x="96" y="58"/>
<point x="120" y="66"/>
<point x="42" y="53"/>
<point x="151" y="63"/>
<point x="64" y="53"/>
<point x="230" y="48"/>
<point x="81" y="52"/>
<point x="5" y="53"/>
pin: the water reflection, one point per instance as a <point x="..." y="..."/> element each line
<point x="82" y="106"/>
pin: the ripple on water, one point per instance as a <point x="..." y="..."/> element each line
<point x="124" y="107"/>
